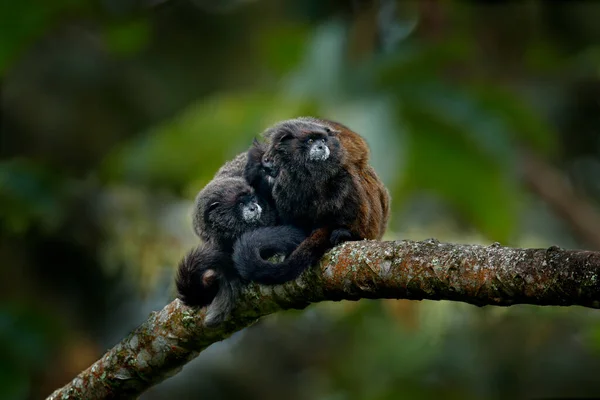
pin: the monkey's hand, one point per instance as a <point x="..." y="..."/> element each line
<point x="340" y="235"/>
<point x="259" y="176"/>
<point x="253" y="170"/>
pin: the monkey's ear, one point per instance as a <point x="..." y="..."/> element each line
<point x="255" y="142"/>
<point x="212" y="206"/>
<point x="286" y="137"/>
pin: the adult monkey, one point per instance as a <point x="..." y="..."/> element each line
<point x="321" y="182"/>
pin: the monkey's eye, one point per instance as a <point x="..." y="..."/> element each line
<point x="212" y="206"/>
<point x="309" y="141"/>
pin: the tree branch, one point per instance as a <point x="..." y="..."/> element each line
<point x="492" y="275"/>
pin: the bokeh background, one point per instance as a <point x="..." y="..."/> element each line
<point x="483" y="119"/>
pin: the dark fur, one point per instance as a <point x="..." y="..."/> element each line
<point x="334" y="199"/>
<point x="281" y="239"/>
<point x="256" y="174"/>
<point x="218" y="211"/>
<point x="206" y="275"/>
<point x="193" y="270"/>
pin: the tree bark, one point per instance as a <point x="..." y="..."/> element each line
<point x="492" y="275"/>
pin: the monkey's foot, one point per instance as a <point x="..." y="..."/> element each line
<point x="339" y="236"/>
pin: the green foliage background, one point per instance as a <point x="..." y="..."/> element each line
<point x="115" y="113"/>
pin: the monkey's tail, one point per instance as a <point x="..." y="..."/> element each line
<point x="252" y="248"/>
<point x="203" y="279"/>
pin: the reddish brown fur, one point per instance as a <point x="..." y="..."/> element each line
<point x="371" y="197"/>
<point x="356" y="146"/>
<point x="372" y="221"/>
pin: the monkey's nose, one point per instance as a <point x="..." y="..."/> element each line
<point x="319" y="152"/>
<point x="251" y="212"/>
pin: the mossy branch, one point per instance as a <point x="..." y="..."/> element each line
<point x="479" y="275"/>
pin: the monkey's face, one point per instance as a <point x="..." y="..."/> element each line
<point x="228" y="208"/>
<point x="301" y="143"/>
<point x="233" y="211"/>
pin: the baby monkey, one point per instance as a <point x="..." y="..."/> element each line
<point x="225" y="208"/>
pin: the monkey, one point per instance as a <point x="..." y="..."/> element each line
<point x="322" y="183"/>
<point x="224" y="209"/>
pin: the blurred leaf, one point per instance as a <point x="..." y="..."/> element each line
<point x="129" y="37"/>
<point x="593" y="337"/>
<point x="519" y="120"/>
<point x="322" y="69"/>
<point x="387" y="358"/>
<point x="543" y="56"/>
<point x="485" y="130"/>
<point x="444" y="160"/>
<point x="462" y="146"/>
<point x="192" y="146"/>
<point x="28" y="195"/>
<point x="422" y="64"/>
<point x="14" y="384"/>
<point x="27" y="337"/>
<point x="26" y="334"/>
<point x="282" y="47"/>
<point x="21" y="21"/>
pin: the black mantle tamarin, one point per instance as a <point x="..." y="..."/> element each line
<point x="321" y="182"/>
<point x="224" y="209"/>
